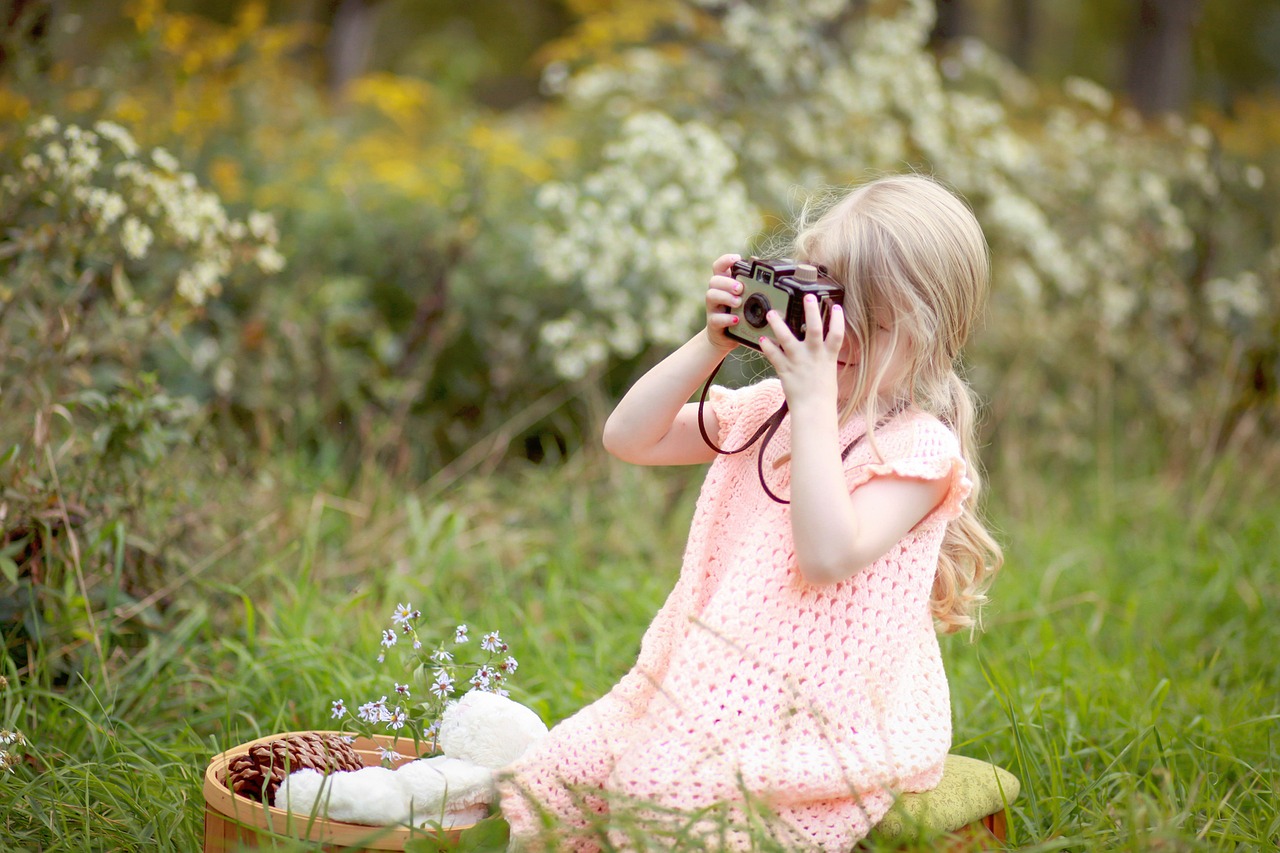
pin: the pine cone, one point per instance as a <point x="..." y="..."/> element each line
<point x="266" y="765"/>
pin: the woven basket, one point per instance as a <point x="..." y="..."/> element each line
<point x="232" y="821"/>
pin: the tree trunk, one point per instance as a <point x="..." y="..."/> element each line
<point x="1160" y="55"/>
<point x="352" y="24"/>
<point x="952" y="23"/>
<point x="1022" y="33"/>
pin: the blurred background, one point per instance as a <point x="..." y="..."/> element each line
<point x="436" y="239"/>
<point x="310" y="307"/>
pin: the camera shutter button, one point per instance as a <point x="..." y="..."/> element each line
<point x="806" y="273"/>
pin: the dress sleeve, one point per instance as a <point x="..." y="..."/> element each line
<point x="739" y="410"/>
<point x="921" y="448"/>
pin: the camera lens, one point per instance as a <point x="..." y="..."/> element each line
<point x="753" y="311"/>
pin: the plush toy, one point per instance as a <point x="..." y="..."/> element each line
<point x="479" y="734"/>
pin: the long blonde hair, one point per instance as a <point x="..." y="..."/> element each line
<point x="914" y="261"/>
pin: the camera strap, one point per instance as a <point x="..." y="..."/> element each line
<point x="768" y="429"/>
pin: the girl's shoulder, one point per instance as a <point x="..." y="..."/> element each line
<point x="916" y="433"/>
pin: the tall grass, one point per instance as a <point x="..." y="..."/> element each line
<point x="1127" y="674"/>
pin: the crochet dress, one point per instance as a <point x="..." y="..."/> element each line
<point x="754" y="686"/>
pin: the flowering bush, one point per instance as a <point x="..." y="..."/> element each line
<point x="1134" y="273"/>
<point x="108" y="253"/>
<point x="436" y="674"/>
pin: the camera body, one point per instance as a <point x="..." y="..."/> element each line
<point x="779" y="284"/>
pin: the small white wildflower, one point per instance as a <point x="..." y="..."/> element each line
<point x="389" y="755"/>
<point x="388" y="638"/>
<point x="44" y="126"/>
<point x="402" y="689"/>
<point x="491" y="642"/>
<point x="510" y="665"/>
<point x="382" y="658"/>
<point x="33" y="163"/>
<point x="481" y="680"/>
<point x="460" y="634"/>
<point x="441" y="656"/>
<point x="262" y="225"/>
<point x="115" y="133"/>
<point x="397" y="718"/>
<point x="417" y="644"/>
<point x="339" y="709"/>
<point x="401" y="614"/>
<point x="443" y="684"/>
<point x="164" y="160"/>
<point x="135" y="238"/>
<point x="269" y="260"/>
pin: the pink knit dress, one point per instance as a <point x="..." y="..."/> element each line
<point x="753" y="685"/>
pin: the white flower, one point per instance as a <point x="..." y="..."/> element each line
<point x="443" y="684"/>
<point x="135" y="238"/>
<point x="388" y="755"/>
<point x="388" y="638"/>
<point x="339" y="709"/>
<point x="491" y="642"/>
<point x="397" y="718"/>
<point x="460" y="634"/>
<point x="115" y="133"/>
<point x="269" y="260"/>
<point x="441" y="656"/>
<point x="402" y="614"/>
<point x="262" y="225"/>
<point x="402" y="689"/>
<point x="165" y="160"/>
<point x="510" y="665"/>
<point x="44" y="126"/>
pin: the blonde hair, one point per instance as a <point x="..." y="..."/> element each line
<point x="914" y="261"/>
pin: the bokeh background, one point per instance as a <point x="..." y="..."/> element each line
<point x="310" y="305"/>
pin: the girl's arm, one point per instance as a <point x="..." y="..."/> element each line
<point x="654" y="424"/>
<point x="837" y="534"/>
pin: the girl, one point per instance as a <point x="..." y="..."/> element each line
<point x="794" y="668"/>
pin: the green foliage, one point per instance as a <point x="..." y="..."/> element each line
<point x="1136" y="711"/>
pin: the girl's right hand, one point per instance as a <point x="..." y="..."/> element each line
<point x="723" y="292"/>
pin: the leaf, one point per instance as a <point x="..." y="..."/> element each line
<point x="10" y="570"/>
<point x="490" y="834"/>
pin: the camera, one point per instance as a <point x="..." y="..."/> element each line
<point x="778" y="284"/>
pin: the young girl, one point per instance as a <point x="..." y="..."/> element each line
<point x="795" y="666"/>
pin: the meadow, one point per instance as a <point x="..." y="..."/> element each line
<point x="1126" y="675"/>
<point x="278" y="355"/>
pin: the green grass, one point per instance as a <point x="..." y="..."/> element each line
<point x="1128" y="673"/>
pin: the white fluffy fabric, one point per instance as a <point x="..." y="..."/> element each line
<point x="439" y="787"/>
<point x="479" y="734"/>
<point x="372" y="795"/>
<point x="488" y="729"/>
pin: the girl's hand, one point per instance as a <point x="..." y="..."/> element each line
<point x="723" y="292"/>
<point x="807" y="368"/>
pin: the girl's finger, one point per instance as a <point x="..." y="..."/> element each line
<point x="835" y="327"/>
<point x="717" y="297"/>
<point x="723" y="282"/>
<point x="724" y="263"/>
<point x="781" y="332"/>
<point x="721" y="320"/>
<point x="770" y="350"/>
<point x="812" y="316"/>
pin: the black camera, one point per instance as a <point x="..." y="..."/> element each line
<point x="778" y="284"/>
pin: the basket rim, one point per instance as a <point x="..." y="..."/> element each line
<point x="239" y="809"/>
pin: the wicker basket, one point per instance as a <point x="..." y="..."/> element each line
<point x="232" y="821"/>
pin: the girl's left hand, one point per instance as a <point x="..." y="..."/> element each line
<point x="807" y="368"/>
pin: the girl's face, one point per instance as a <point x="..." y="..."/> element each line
<point x="896" y="364"/>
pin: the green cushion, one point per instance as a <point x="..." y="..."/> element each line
<point x="969" y="791"/>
